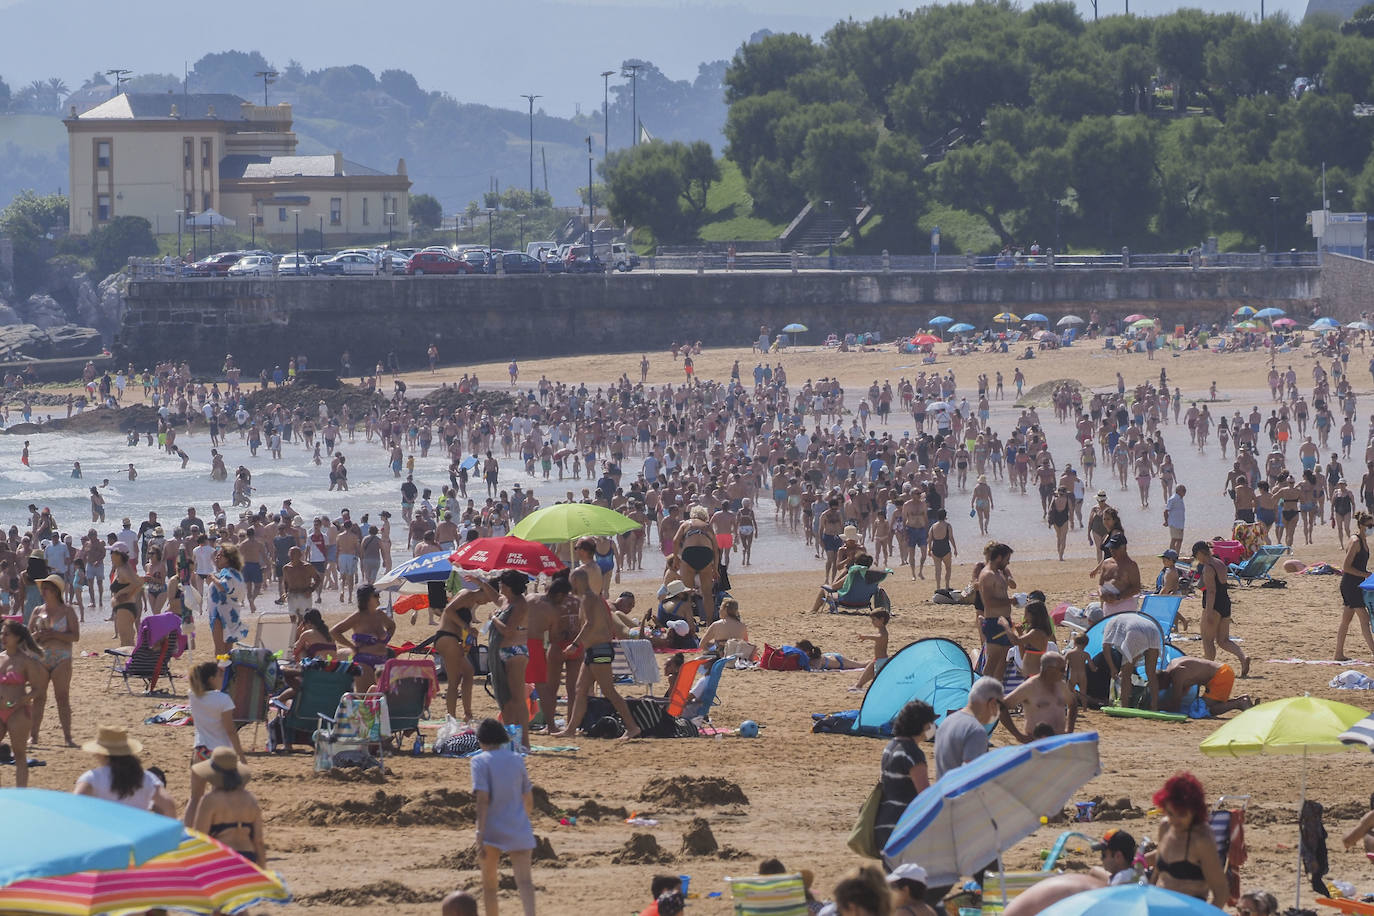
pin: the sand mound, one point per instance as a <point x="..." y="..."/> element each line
<point x="369" y="895"/>
<point x="1043" y="393"/>
<point x="432" y="808"/>
<point x="1115" y="809"/>
<point x="468" y="860"/>
<point x="698" y="840"/>
<point x="641" y="849"/>
<point x="542" y="803"/>
<point x="692" y="792"/>
<point x="592" y="810"/>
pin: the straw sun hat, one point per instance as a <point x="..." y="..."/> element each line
<point x="222" y="762"/>
<point x="112" y="741"/>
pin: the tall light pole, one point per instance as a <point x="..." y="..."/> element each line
<point x="633" y="72"/>
<point x="831" y="227"/>
<point x="531" y="96"/>
<point x="489" y="211"/>
<point x="591" y="206"/>
<point x="606" y="111"/>
<point x="190" y="217"/>
<point x="180" y="213"/>
<point x="268" y="77"/>
<point x="1275" y="201"/>
<point x="522" y="232"/>
<point x="321" y="230"/>
<point x="390" y="228"/>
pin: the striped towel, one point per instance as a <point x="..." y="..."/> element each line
<point x="769" y="895"/>
<point x="1362" y="732"/>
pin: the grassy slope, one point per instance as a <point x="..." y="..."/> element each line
<point x="729" y="211"/>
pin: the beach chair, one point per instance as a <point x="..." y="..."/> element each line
<point x="708" y="694"/>
<point x="682" y="686"/>
<point x="408" y="685"/>
<point x="863" y="597"/>
<point x="1163" y="610"/>
<point x="276" y="632"/>
<point x="360" y="723"/>
<point x="635" y="663"/>
<point x="159" y="641"/>
<point x="322" y="685"/>
<point x="1257" y="567"/>
<point x="250" y="678"/>
<point x="768" y="895"/>
<point x="1015" y="883"/>
<point x="1227" y="822"/>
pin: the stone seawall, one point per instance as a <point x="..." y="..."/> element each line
<point x="266" y="322"/>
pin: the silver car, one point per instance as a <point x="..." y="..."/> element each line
<point x="254" y="265"/>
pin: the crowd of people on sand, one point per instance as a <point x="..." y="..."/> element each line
<point x="711" y="456"/>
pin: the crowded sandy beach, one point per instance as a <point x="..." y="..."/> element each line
<point x="1079" y="479"/>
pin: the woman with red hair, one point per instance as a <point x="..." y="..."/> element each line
<point x="1185" y="855"/>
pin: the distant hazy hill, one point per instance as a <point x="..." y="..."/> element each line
<point x="1342" y="8"/>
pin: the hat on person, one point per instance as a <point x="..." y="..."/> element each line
<point x="1169" y="554"/>
<point x="1102" y="494"/>
<point x="907" y="871"/>
<point x="55" y="581"/>
<point x="851" y="533"/>
<point x="1118" y="841"/>
<point x="674" y="588"/>
<point x="113" y="741"/>
<point x="222" y="762"/>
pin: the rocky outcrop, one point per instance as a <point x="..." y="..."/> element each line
<point x="44" y="311"/>
<point x="29" y="341"/>
<point x="108" y="310"/>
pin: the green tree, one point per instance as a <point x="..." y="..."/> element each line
<point x="1351" y="68"/>
<point x="1180" y="46"/>
<point x="1112" y="171"/>
<point x="837" y="165"/>
<point x="765" y="65"/>
<point x="980" y="179"/>
<point x="118" y="240"/>
<point x="30" y="221"/>
<point x="644" y="188"/>
<point x="700" y="170"/>
<point x="426" y="212"/>
<point x="5" y="97"/>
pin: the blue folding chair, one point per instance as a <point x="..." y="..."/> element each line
<point x="1258" y="566"/>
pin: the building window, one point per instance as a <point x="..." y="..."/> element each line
<point x="186" y="153"/>
<point x="102" y="154"/>
<point x="281" y="214"/>
<point x="189" y="204"/>
<point x="205" y="154"/>
<point x="204" y="201"/>
<point x="364" y="211"/>
<point x="335" y="211"/>
<point x="102" y="207"/>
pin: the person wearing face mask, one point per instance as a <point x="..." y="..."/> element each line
<point x="904" y="771"/>
<point x="1354" y="570"/>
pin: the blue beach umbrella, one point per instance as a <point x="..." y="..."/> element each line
<point x="59" y="833"/>
<point x="1036" y="316"/>
<point x="1324" y="324"/>
<point x="429" y="567"/>
<point x="1131" y="900"/>
<point x="1270" y="312"/>
<point x="975" y="811"/>
<point x="941" y="319"/>
<point x="960" y="328"/>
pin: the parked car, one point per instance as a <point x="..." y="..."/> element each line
<point x="478" y="259"/>
<point x="436" y="262"/>
<point x="349" y="263"/>
<point x="579" y="260"/>
<point x="253" y="265"/>
<point x="295" y="265"/>
<point x="517" y="262"/>
<point x="217" y="265"/>
<point x="622" y="257"/>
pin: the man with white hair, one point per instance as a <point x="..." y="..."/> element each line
<point x="1046" y="699"/>
<point x="963" y="736"/>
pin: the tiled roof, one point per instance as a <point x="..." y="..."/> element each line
<point x="158" y="106"/>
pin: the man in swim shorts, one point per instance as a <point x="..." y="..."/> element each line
<point x="299" y="580"/>
<point x="1119" y="578"/>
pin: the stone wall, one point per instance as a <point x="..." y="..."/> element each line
<point x="1347" y="286"/>
<point x="266" y="322"/>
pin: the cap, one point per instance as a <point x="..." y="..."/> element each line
<point x="1169" y="554"/>
<point x="1118" y="841"/>
<point x="907" y="871"/>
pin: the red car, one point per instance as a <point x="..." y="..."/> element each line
<point x="435" y="262"/>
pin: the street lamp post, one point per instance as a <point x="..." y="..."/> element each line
<point x="591" y="207"/>
<point x="190" y="221"/>
<point x="321" y="230"/>
<point x="298" y="240"/>
<point x="1275" y="201"/>
<point x="180" y="213"/>
<point x="606" y="111"/>
<point x="522" y="232"/>
<point x="490" y="212"/>
<point x="830" y="226"/>
<point x="634" y="100"/>
<point x="390" y="228"/>
<point x="253" y="228"/>
<point x="531" y="97"/>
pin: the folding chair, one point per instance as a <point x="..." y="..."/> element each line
<point x="276" y="632"/>
<point x="360" y="723"/>
<point x="635" y="663"/>
<point x="1257" y="567"/>
<point x="408" y="685"/>
<point x="682" y="685"/>
<point x="1227" y="821"/>
<point x="322" y="685"/>
<point x="159" y="641"/>
<point x="250" y="679"/>
<point x="1163" y="610"/>
<point x="1015" y="883"/>
<point x="768" y="895"/>
<point x="864" y="596"/>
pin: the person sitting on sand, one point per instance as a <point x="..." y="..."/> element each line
<point x="659" y="887"/>
<point x="1213" y="679"/>
<point x="458" y="903"/>
<point x="848" y="576"/>
<point x="1045" y="698"/>
<point x="728" y="627"/>
<point x="1118" y="858"/>
<point x="1363" y="832"/>
<point x="826" y="661"/>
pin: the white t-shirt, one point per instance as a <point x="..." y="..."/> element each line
<point x="207" y="711"/>
<point x="99" y="781"/>
<point x="204" y="557"/>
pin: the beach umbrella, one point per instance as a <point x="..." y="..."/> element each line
<point x="1245" y="326"/>
<point x="1285" y="323"/>
<point x="1244" y="312"/>
<point x="58" y="833"/>
<point x="960" y="328"/>
<point x="921" y="340"/>
<point x="1046" y="335"/>
<point x="970" y="814"/>
<point x="795" y="328"/>
<point x="941" y="319"/>
<point x="1296" y="725"/>
<point x="1068" y="321"/>
<point x="491" y="554"/>
<point x="1131" y="900"/>
<point x="1323" y="324"/>
<point x="1036" y="316"/>
<point x="429" y="567"/>
<point x="200" y="875"/>
<point x="1135" y="317"/>
<point x="1357" y="326"/>
<point x="1143" y="323"/>
<point x="1270" y="312"/>
<point x="570" y="521"/>
<point x="1005" y="318"/>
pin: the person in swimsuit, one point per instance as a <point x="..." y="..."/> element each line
<point x="982" y="503"/>
<point x="563" y="663"/>
<point x="594" y="638"/>
<point x="126" y="593"/>
<point x="371" y="630"/>
<point x="229" y="812"/>
<point x="748" y="530"/>
<point x="1057" y="517"/>
<point x="313" y="637"/>
<point x="511" y="622"/>
<point x="993" y="603"/>
<point x="826" y="661"/>
<point x="1216" y="607"/>
<point x="455" y="639"/>
<point x="1354" y="600"/>
<point x="609" y="560"/>
<point x="942" y="545"/>
<point x="698" y="551"/>
<point x="19" y="672"/>
<point x="55" y="628"/>
<point x="1185" y="855"/>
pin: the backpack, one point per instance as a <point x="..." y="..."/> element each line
<point x="775" y="659"/>
<point x="862" y="838"/>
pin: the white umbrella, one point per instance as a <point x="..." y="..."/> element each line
<point x="1068" y="320"/>
<point x="210" y="217"/>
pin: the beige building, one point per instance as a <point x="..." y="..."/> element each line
<point x="164" y="157"/>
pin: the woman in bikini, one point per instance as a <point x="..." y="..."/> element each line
<point x="371" y="631"/>
<point x="563" y="663"/>
<point x="696" y="549"/>
<point x="55" y="628"/>
<point x="511" y="623"/>
<point x="1185" y="856"/>
<point x="126" y="593"/>
<point x="157" y="581"/>
<point x="748" y="530"/>
<point x="826" y="661"/>
<point x="313" y="637"/>
<point x="455" y="637"/>
<point x="19" y="672"/>
<point x="1033" y="638"/>
<point x="229" y="812"/>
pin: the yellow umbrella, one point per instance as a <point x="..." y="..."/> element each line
<point x="1296" y="725"/>
<point x="1006" y="318"/>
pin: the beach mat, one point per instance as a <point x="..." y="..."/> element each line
<point x="1126" y="713"/>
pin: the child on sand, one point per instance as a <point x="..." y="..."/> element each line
<point x="1077" y="661"/>
<point x="880" y="619"/>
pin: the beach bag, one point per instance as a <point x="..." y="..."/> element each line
<point x="775" y="659"/>
<point x="861" y="838"/>
<point x="458" y="745"/>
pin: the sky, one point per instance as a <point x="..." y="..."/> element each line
<point x="556" y="48"/>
